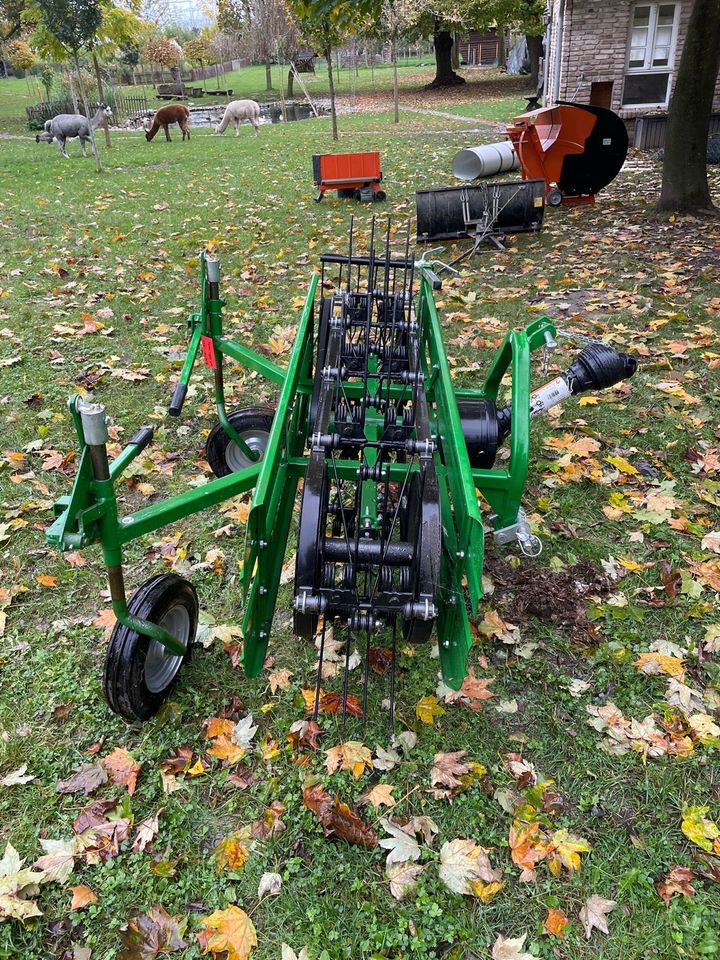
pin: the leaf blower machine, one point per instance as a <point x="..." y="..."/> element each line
<point x="391" y="456"/>
<point x="575" y="148"/>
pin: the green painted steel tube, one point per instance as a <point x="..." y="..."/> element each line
<point x="254" y="361"/>
<point x="146" y="628"/>
<point x="137" y="524"/>
<point x="192" y="351"/>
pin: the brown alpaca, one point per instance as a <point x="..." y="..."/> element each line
<point x="174" y="113"/>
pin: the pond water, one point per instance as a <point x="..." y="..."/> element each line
<point x="269" y="113"/>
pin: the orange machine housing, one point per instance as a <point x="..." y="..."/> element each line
<point x="349" y="172"/>
<point x="575" y="148"/>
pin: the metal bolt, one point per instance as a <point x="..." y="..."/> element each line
<point x="460" y="554"/>
<point x="263" y="591"/>
<point x="262" y="544"/>
<point x="126" y="520"/>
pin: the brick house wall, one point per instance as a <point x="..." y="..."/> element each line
<point x="595" y="50"/>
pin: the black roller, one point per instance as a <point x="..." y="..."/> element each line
<point x="479" y="419"/>
<point x="602" y="159"/>
<point x="441" y="214"/>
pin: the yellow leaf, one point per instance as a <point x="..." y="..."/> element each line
<point x="232" y="853"/>
<point x="486" y="892"/>
<point x="653" y="664"/>
<point x="352" y="755"/>
<point x="698" y="829"/>
<point x="565" y="850"/>
<point x="225" y="749"/>
<point x="381" y="794"/>
<point x="230" y="931"/>
<point x="555" y="923"/>
<point x="427" y="709"/>
<point x="623" y="465"/>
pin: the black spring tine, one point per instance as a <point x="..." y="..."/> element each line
<point x="392" y="675"/>
<point x="366" y="677"/>
<point x="318" y="681"/>
<point x="346" y="678"/>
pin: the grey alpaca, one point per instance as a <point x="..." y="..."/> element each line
<point x="66" y="126"/>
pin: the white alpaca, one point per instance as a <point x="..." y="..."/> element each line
<point x="237" y="111"/>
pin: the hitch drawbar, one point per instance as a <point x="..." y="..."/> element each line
<point x="485" y="426"/>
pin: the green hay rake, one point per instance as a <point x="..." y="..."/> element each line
<point x="392" y="457"/>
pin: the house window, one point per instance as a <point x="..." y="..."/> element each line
<point x="651" y="53"/>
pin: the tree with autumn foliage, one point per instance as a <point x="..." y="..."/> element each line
<point x="19" y="55"/>
<point x="166" y="52"/>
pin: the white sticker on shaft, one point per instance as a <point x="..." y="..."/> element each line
<point x="549" y="395"/>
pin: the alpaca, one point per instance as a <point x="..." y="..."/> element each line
<point x="173" y="113"/>
<point x="237" y="111"/>
<point x="66" y="126"/>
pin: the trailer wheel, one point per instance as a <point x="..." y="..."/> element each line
<point x="555" y="197"/>
<point x="139" y="672"/>
<point x="253" y="425"/>
<point x="380" y="195"/>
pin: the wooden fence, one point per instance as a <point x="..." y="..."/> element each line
<point x="122" y="105"/>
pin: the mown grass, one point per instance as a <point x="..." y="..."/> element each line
<point x="75" y="242"/>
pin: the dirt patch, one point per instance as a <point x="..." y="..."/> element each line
<point x="559" y="599"/>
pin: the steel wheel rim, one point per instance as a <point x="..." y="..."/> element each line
<point x="161" y="666"/>
<point x="236" y="459"/>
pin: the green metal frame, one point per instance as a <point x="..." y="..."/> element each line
<point x="90" y="513"/>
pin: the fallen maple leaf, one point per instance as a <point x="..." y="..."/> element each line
<point x="329" y="702"/>
<point x="380" y="795"/>
<point x="280" y="679"/>
<point x="401" y="843"/>
<point x="233" y="852"/>
<point x="224" y="749"/>
<point x="698" y="828"/>
<point x="403" y="877"/>
<point x="486" y="892"/>
<point x="427" y="709"/>
<point x="16" y="885"/>
<point x="593" y="914"/>
<point x="305" y="733"/>
<point x="146" y="832"/>
<point x="82" y="896"/>
<point x="653" y="664"/>
<point x="270" y="883"/>
<point x="564" y="851"/>
<point x="675" y="881"/>
<point x="228" y="931"/>
<point x="447" y="767"/>
<point x="149" y="934"/>
<point x="87" y="778"/>
<point x="17" y="777"/>
<point x="506" y="949"/>
<point x="58" y="861"/>
<point x="352" y="755"/>
<point x="462" y="861"/>
<point x="555" y="923"/>
<point x="122" y="768"/>
<point x="337" y="819"/>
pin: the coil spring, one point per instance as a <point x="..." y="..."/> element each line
<point x="328" y="574"/>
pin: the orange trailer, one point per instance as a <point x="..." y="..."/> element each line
<point x="355" y="175"/>
<point x="575" y="148"/>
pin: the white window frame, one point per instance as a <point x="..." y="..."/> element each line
<point x="649" y="69"/>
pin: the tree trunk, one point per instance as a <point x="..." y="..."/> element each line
<point x="445" y="76"/>
<point x="534" y="45"/>
<point x="393" y="50"/>
<point x="290" y="82"/>
<point x="455" y="52"/>
<point x="101" y="95"/>
<point x="501" y="48"/>
<point x="331" y="84"/>
<point x="684" y="177"/>
<point x="268" y="75"/>
<point x="98" y="164"/>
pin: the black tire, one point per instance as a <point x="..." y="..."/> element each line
<point x="253" y="424"/>
<point x="380" y="195"/>
<point x="132" y="690"/>
<point x="555" y="198"/>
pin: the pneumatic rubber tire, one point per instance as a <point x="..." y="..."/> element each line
<point x="139" y="674"/>
<point x="253" y="425"/>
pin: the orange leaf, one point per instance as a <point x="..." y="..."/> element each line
<point x="122" y="768"/>
<point x="82" y="896"/>
<point x="229" y="931"/>
<point x="555" y="923"/>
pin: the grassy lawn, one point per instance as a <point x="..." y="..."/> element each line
<point x="97" y="273"/>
